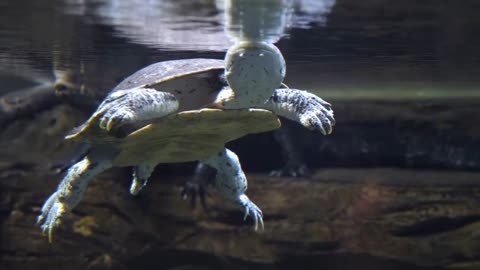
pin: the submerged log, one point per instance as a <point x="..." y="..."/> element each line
<point x="340" y="218"/>
<point x="378" y="217"/>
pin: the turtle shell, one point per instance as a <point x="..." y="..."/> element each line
<point x="194" y="82"/>
<point x="185" y="136"/>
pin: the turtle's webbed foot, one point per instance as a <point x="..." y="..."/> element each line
<point x="306" y="108"/>
<point x="231" y="183"/>
<point x="116" y="118"/>
<point x="194" y="191"/>
<point x="316" y="114"/>
<point x="52" y="212"/>
<point x="197" y="187"/>
<point x="127" y="106"/>
<point x="69" y="192"/>
<point x="252" y="210"/>
<point x="114" y="112"/>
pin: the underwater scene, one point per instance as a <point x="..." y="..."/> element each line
<point x="240" y="134"/>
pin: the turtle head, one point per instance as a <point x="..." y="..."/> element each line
<point x="66" y="83"/>
<point x="71" y="87"/>
<point x="254" y="70"/>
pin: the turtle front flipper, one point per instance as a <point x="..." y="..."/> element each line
<point x="129" y="106"/>
<point x="303" y="107"/>
<point x="69" y="192"/>
<point x="231" y="183"/>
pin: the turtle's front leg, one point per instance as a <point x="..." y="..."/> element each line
<point x="303" y="107"/>
<point x="69" y="192"/>
<point x="129" y="106"/>
<point x="231" y="183"/>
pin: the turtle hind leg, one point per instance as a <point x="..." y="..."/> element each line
<point x="231" y="183"/>
<point x="141" y="174"/>
<point x="63" y="165"/>
<point x="69" y="192"/>
<point x="129" y="106"/>
<point x="197" y="187"/>
<point x="291" y="152"/>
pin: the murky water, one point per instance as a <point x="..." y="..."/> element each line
<point x="427" y="48"/>
<point x="403" y="78"/>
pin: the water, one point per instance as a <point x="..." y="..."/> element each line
<point x="394" y="187"/>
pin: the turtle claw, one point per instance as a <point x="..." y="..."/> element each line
<point x="127" y="106"/>
<point x="117" y="109"/>
<point x="113" y="112"/>
<point x="116" y="119"/>
<point x="50" y="218"/>
<point x="197" y="188"/>
<point x="318" y="122"/>
<point x="193" y="192"/>
<point x="112" y="117"/>
<point x="301" y="106"/>
<point x="318" y="115"/>
<point x="252" y="210"/>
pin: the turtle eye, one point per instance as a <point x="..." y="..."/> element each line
<point x="60" y="88"/>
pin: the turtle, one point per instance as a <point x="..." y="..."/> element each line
<point x="166" y="91"/>
<point x="182" y="137"/>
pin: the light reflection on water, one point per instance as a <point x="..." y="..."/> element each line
<point x="327" y="45"/>
<point x="184" y="25"/>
